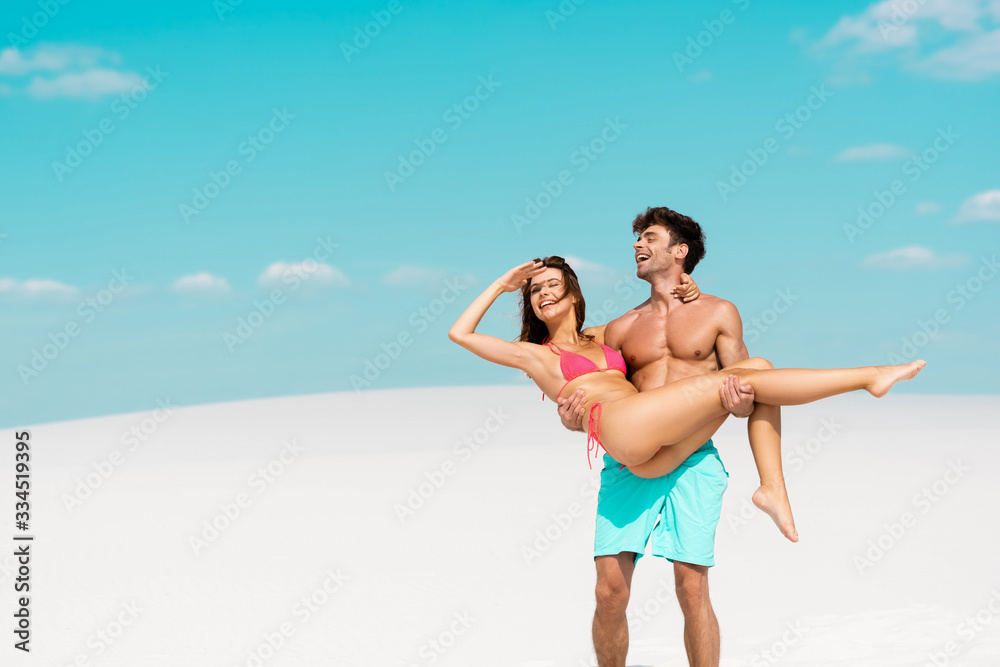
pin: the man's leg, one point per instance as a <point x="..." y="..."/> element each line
<point x="627" y="510"/>
<point x="686" y="536"/>
<point x="701" y="627"/>
<point x="614" y="583"/>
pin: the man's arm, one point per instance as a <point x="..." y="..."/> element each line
<point x="571" y="407"/>
<point x="730" y="350"/>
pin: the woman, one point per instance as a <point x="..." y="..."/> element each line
<point x="632" y="427"/>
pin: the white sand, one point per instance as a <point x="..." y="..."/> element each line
<point x="453" y="583"/>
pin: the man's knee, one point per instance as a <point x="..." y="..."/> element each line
<point x="613" y="584"/>
<point x="612" y="597"/>
<point x="691" y="584"/>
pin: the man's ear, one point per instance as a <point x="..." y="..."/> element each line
<point x="680" y="250"/>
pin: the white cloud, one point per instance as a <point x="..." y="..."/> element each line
<point x="950" y="39"/>
<point x="592" y="271"/>
<point x="66" y="70"/>
<point x="91" y="83"/>
<point x="308" y="271"/>
<point x="870" y="31"/>
<point x="871" y="152"/>
<point x="973" y="59"/>
<point x="913" y="257"/>
<point x="951" y="14"/>
<point x="579" y="264"/>
<point x="36" y="288"/>
<point x="982" y="207"/>
<point x="925" y="207"/>
<point x="421" y="277"/>
<point x="52" y="57"/>
<point x="410" y="276"/>
<point x="201" y="283"/>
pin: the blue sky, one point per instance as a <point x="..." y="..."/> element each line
<point x="344" y="178"/>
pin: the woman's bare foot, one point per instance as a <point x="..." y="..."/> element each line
<point x="772" y="499"/>
<point x="890" y="375"/>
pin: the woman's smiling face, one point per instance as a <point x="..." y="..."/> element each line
<point x="547" y="290"/>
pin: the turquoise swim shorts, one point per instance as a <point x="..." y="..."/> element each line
<point x="678" y="512"/>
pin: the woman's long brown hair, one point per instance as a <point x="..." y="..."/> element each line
<point x="533" y="330"/>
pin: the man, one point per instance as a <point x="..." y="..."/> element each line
<point x="666" y="339"/>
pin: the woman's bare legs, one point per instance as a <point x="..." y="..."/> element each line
<point x="634" y="428"/>
<point x="764" y="432"/>
<point x="666" y="459"/>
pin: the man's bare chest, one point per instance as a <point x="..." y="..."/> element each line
<point x="656" y="338"/>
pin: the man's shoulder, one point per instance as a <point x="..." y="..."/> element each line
<point x="715" y="304"/>
<point x="628" y="317"/>
<point x="618" y="328"/>
<point x="711" y="311"/>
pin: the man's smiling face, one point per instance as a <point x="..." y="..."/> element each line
<point x="653" y="252"/>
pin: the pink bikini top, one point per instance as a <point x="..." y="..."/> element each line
<point x="574" y="365"/>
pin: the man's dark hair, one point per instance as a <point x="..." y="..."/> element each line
<point x="682" y="230"/>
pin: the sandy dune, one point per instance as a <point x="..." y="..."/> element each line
<point x="454" y="526"/>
